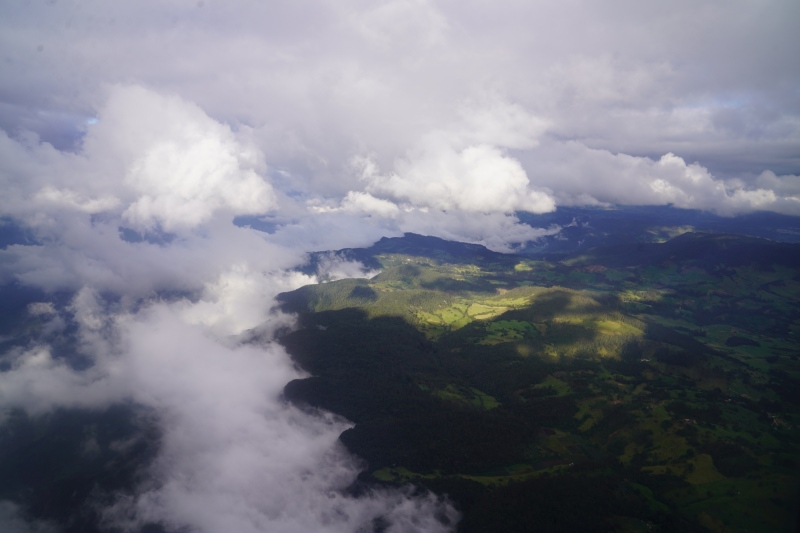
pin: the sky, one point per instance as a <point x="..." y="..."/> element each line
<point x="134" y="134"/>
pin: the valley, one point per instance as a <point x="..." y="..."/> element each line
<point x="652" y="386"/>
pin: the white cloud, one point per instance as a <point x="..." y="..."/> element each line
<point x="788" y="185"/>
<point x="497" y="231"/>
<point x="331" y="267"/>
<point x="393" y="22"/>
<point x="239" y="299"/>
<point x="495" y="122"/>
<point x="578" y="175"/>
<point x="74" y="200"/>
<point x="39" y="383"/>
<point x="234" y="455"/>
<point x="477" y="179"/>
<point x="464" y="167"/>
<point x="358" y="202"/>
<point x="182" y="166"/>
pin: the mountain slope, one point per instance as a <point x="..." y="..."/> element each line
<point x="650" y="388"/>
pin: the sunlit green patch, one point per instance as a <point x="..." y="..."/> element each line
<point x="481" y="311"/>
<point x="670" y="449"/>
<point x="508" y="331"/>
<point x="669" y="419"/>
<point x="703" y="471"/>
<point x="557" y="386"/>
<point x="514" y="473"/>
<point x="499" y="476"/>
<point x="589" y="413"/>
<point x="451" y="314"/>
<point x="558" y="442"/>
<point x="401" y="473"/>
<point x="467" y="395"/>
<point x="514" y="303"/>
<point x="430" y="318"/>
<point x="614" y="327"/>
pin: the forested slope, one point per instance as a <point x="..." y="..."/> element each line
<point x="623" y="389"/>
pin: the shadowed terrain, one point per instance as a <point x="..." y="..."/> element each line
<point x="627" y="388"/>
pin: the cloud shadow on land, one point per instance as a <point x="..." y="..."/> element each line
<point x="67" y="465"/>
<point x="370" y="370"/>
<point x="171" y="427"/>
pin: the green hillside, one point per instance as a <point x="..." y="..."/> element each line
<point x="648" y="387"/>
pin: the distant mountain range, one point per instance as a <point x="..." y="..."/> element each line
<point x="588" y="227"/>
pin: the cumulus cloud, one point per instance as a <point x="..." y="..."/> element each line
<point x="184" y="166"/>
<point x="39" y="383"/>
<point x="477" y="179"/>
<point x="788" y="185"/>
<point x="359" y="202"/>
<point x="233" y="455"/>
<point x="579" y="175"/>
<point x="167" y="321"/>
<point x="153" y="162"/>
<point x="465" y="167"/>
<point x="71" y="199"/>
<point x="157" y="159"/>
<point x="457" y="182"/>
<point x="331" y="266"/>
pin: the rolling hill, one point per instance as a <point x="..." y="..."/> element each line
<point x="651" y="386"/>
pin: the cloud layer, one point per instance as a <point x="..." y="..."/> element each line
<point x="173" y="306"/>
<point x="443" y="98"/>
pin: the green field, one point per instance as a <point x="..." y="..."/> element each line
<point x="658" y="392"/>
